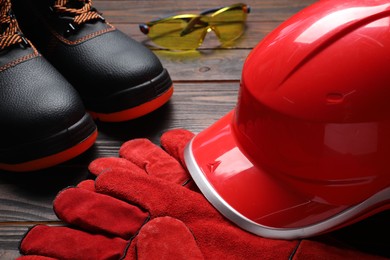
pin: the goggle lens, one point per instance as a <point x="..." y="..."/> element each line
<point x="168" y="34"/>
<point x="230" y="24"/>
<point x="186" y="32"/>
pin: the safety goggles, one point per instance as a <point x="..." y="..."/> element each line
<point x="187" y="31"/>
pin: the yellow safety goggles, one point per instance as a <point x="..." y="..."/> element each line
<point x="187" y="31"/>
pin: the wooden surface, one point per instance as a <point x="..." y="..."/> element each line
<point x="206" y="84"/>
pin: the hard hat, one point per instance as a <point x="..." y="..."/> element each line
<point x="306" y="150"/>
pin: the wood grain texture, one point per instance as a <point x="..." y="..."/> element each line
<point x="143" y="11"/>
<point x="206" y="84"/>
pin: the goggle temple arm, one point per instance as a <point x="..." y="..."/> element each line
<point x="210" y="11"/>
<point x="245" y="8"/>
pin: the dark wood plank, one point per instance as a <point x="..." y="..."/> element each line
<point x="205" y="65"/>
<point x="9" y="254"/>
<point x="143" y="11"/>
<point x="10" y="236"/>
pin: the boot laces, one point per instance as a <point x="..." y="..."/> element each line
<point x="81" y="10"/>
<point x="9" y="30"/>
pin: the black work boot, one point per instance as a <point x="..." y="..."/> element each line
<point x="117" y="77"/>
<point x="42" y="118"/>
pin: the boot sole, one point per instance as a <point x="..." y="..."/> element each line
<point x="53" y="150"/>
<point x="133" y="102"/>
<point x="134" y="112"/>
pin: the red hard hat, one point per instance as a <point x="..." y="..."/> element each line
<point x="307" y="148"/>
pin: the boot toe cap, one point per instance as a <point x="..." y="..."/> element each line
<point x="36" y="102"/>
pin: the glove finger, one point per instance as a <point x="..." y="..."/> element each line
<point x="119" y="164"/>
<point x="154" y="160"/>
<point x="175" y="141"/>
<point x="179" y="242"/>
<point x="99" y="213"/>
<point x="87" y="185"/>
<point x="67" y="243"/>
<point x="157" y="196"/>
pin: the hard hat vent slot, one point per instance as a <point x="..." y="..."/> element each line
<point x="334" y="98"/>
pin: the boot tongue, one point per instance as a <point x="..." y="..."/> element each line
<point x="81" y="10"/>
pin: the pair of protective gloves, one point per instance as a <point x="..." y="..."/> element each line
<point x="144" y="205"/>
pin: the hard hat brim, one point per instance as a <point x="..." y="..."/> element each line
<point x="256" y="200"/>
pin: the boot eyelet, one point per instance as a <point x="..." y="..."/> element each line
<point x="70" y="30"/>
<point x="24" y="44"/>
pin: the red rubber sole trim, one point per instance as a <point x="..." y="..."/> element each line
<point x="134" y="112"/>
<point x="53" y="159"/>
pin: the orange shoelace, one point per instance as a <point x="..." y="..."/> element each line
<point x="81" y="15"/>
<point x="9" y="29"/>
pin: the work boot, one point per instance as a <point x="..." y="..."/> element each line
<point x="117" y="77"/>
<point x="42" y="118"/>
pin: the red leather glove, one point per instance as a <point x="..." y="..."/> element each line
<point x="140" y="207"/>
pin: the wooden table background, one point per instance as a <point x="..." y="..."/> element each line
<point x="206" y="86"/>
